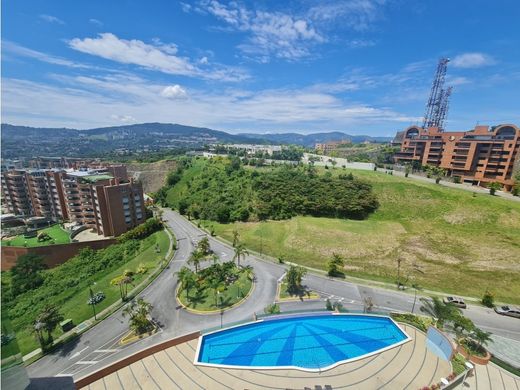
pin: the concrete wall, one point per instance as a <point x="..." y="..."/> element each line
<point x="54" y="254"/>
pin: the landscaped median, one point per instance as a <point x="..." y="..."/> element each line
<point x="68" y="287"/>
<point x="205" y="296"/>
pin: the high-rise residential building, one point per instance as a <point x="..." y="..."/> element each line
<point x="479" y="156"/>
<point x="102" y="198"/>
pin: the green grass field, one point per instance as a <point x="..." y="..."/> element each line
<point x="77" y="308"/>
<point x="58" y="235"/>
<point x="176" y="193"/>
<point x="462" y="244"/>
<point x="206" y="300"/>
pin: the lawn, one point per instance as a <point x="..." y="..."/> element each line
<point x="57" y="234"/>
<point x="461" y="243"/>
<point x="204" y="299"/>
<point x="77" y="308"/>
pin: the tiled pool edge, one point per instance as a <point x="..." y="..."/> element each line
<point x="196" y="361"/>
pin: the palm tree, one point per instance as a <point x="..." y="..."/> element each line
<point x="481" y="337"/>
<point x="236" y="237"/>
<point x="38" y="328"/>
<point x="240" y="252"/>
<point x="187" y="279"/>
<point x="196" y="258"/>
<point x="438" y="310"/>
<point x="47" y="321"/>
<point x="123" y="281"/>
<point x="204" y="247"/>
<point x="139" y="311"/>
<point x="462" y="325"/>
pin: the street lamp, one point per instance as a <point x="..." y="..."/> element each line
<point x="92" y="299"/>
<point x="469" y="367"/>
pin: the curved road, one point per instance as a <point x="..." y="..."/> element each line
<point x="99" y="347"/>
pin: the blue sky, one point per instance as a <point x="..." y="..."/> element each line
<point x="359" y="66"/>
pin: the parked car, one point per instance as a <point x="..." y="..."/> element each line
<point x="455" y="301"/>
<point x="508" y="311"/>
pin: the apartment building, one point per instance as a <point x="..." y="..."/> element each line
<point x="93" y="198"/>
<point x="479" y="156"/>
<point x="331" y="146"/>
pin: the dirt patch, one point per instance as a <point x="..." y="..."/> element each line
<point x="511" y="219"/>
<point x="466" y="216"/>
<point x="152" y="175"/>
<point x="418" y="247"/>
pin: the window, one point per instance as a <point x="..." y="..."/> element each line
<point x="128" y="219"/>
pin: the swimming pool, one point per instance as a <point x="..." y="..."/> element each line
<point x="307" y="342"/>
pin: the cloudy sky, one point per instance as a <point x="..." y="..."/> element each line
<point x="359" y="66"/>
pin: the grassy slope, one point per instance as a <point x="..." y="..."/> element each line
<point x="77" y="308"/>
<point x="176" y="192"/>
<point x="59" y="235"/>
<point x="463" y="244"/>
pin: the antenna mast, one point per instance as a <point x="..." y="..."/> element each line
<point x="438" y="102"/>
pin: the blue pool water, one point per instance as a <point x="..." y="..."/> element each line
<point x="308" y="342"/>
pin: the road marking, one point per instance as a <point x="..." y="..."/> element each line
<point x="105" y="350"/>
<point x="78" y="353"/>
<point x="86" y="362"/>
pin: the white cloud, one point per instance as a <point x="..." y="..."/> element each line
<point x="17" y="50"/>
<point x="96" y="22"/>
<point x="51" y="19"/>
<point x="158" y="56"/>
<point x="359" y="15"/>
<point x="174" y="92"/>
<point x="472" y="60"/>
<point x="275" y="34"/>
<point x="86" y="102"/>
<point x="123" y="118"/>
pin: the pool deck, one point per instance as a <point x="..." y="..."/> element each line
<point x="409" y="366"/>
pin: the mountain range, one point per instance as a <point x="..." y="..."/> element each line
<point x="23" y="141"/>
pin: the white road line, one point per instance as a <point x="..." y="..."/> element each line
<point x="105" y="350"/>
<point x="86" y="362"/>
<point x="78" y="353"/>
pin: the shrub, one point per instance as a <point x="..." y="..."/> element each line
<point x="456" y="179"/>
<point x="147" y="228"/>
<point x="96" y="298"/>
<point x="328" y="305"/>
<point x="274" y="308"/>
<point x="488" y="299"/>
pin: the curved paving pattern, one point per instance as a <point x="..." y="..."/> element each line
<point x="410" y="365"/>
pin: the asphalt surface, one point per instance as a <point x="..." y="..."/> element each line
<point x="99" y="346"/>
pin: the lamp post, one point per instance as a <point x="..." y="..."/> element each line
<point x="92" y="299"/>
<point x="219" y="303"/>
<point x="469" y="367"/>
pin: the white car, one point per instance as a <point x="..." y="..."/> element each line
<point x="455" y="301"/>
<point x="508" y="311"/>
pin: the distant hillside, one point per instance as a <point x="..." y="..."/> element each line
<point x="309" y="140"/>
<point x="23" y="141"/>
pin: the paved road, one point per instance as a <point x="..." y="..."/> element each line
<point x="99" y="346"/>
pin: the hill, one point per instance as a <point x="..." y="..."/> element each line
<point x="23" y="141"/>
<point x="442" y="235"/>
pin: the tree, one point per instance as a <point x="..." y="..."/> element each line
<point x="462" y="325"/>
<point x="236" y="237"/>
<point x="335" y="265"/>
<point x="481" y="337"/>
<point x="196" y="258"/>
<point x="26" y="273"/>
<point x="139" y="312"/>
<point x="407" y="170"/>
<point x="493" y="187"/>
<point x="240" y="252"/>
<point x="439" y="311"/>
<point x="294" y="278"/>
<point x="187" y="279"/>
<point x="204" y="247"/>
<point x="488" y="299"/>
<point x="47" y="321"/>
<point x="123" y="281"/>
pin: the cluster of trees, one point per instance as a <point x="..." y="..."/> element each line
<point x="217" y="277"/>
<point x="144" y="230"/>
<point x="467" y="334"/>
<point x="171" y="179"/>
<point x="138" y="312"/>
<point x="226" y="192"/>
